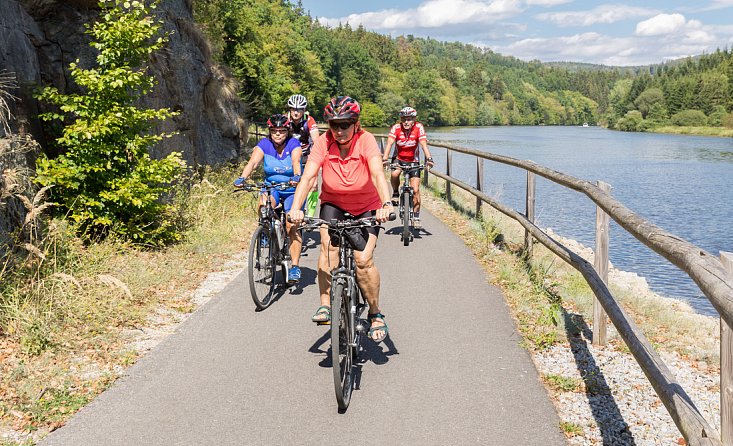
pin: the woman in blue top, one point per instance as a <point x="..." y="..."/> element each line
<point x="281" y="155"/>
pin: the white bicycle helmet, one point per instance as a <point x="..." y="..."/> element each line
<point x="297" y="101"/>
<point x="408" y="111"/>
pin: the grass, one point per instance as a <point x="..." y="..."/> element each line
<point x="563" y="383"/>
<point x="64" y="313"/>
<point x="698" y="131"/>
<point x="570" y="429"/>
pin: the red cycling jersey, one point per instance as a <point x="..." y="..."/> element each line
<point x="407" y="143"/>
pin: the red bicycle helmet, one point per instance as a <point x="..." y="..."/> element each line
<point x="342" y="107"/>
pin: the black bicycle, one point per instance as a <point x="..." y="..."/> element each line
<point x="269" y="248"/>
<point x="347" y="305"/>
<point x="407" y="198"/>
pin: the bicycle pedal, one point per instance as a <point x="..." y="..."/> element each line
<point x="323" y="323"/>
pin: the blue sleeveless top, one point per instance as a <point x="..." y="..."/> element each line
<point x="278" y="168"/>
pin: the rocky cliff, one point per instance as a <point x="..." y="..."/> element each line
<point x="39" y="38"/>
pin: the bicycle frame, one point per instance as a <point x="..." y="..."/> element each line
<point x="407" y="199"/>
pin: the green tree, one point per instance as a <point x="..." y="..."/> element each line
<point x="648" y="99"/>
<point x="105" y="180"/>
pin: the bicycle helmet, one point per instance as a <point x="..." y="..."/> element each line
<point x="342" y="107"/>
<point x="278" y="120"/>
<point x="297" y="101"/>
<point x="408" y="112"/>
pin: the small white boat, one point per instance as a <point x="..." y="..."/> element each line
<point x="585" y="124"/>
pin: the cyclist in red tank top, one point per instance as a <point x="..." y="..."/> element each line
<point x="406" y="136"/>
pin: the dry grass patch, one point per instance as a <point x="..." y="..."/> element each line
<point x="66" y="319"/>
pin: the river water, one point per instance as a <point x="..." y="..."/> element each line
<point x="684" y="184"/>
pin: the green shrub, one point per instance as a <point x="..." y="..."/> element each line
<point x="689" y="118"/>
<point x="631" y="122"/>
<point x="372" y="115"/>
<point x="105" y="180"/>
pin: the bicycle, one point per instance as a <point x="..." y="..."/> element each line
<point x="347" y="306"/>
<point x="407" y="197"/>
<point x="269" y="247"/>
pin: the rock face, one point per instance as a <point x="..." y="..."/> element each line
<point x="39" y="38"/>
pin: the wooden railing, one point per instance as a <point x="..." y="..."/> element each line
<point x="713" y="276"/>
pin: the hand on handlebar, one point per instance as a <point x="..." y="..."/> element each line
<point x="383" y="214"/>
<point x="296" y="216"/>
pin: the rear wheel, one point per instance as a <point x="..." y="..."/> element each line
<point x="342" y="336"/>
<point x="406" y="204"/>
<point x="261" y="268"/>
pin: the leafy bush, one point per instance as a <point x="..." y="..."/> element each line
<point x="631" y="122"/>
<point x="105" y="180"/>
<point x="689" y="118"/>
<point x="727" y="121"/>
<point x="372" y="115"/>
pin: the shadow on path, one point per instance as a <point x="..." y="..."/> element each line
<point x="608" y="417"/>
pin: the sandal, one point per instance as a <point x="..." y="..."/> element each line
<point x="322" y="316"/>
<point x="383" y="328"/>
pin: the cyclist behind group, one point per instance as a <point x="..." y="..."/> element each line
<point x="407" y="135"/>
<point x="304" y="128"/>
<point x="353" y="182"/>
<point x="281" y="155"/>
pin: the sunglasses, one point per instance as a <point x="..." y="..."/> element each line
<point x="297" y="110"/>
<point x="407" y="118"/>
<point x="340" y="125"/>
<point x="276" y="131"/>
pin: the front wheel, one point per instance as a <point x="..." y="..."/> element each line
<point x="342" y="337"/>
<point x="261" y="268"/>
<point x="406" y="204"/>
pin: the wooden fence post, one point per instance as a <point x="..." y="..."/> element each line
<point x="529" y="214"/>
<point x="600" y="263"/>
<point x="448" y="164"/>
<point x="425" y="175"/>
<point x="479" y="184"/>
<point x="726" y="368"/>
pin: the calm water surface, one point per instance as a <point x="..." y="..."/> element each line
<point x="683" y="184"/>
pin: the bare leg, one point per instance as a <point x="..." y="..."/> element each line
<point x="296" y="243"/>
<point x="327" y="260"/>
<point x="415" y="183"/>
<point x="368" y="278"/>
<point x="395" y="180"/>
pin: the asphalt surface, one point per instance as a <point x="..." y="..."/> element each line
<point x="450" y="373"/>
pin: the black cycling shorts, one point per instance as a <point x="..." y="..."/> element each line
<point x="415" y="173"/>
<point x="357" y="237"/>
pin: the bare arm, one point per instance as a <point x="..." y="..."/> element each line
<point x="387" y="148"/>
<point x="375" y="168"/>
<point x="426" y="151"/>
<point x="296" y="155"/>
<point x="257" y="156"/>
<point x="314" y="133"/>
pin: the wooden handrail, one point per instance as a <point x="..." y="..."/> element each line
<point x="709" y="273"/>
<point x="685" y="414"/>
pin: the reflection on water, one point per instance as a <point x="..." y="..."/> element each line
<point x="680" y="183"/>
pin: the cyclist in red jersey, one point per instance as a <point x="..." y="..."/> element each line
<point x="354" y="183"/>
<point x="407" y="135"/>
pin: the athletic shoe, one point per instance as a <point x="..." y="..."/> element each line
<point x="294" y="275"/>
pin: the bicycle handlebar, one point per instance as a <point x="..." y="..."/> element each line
<point x="395" y="166"/>
<point x="257" y="187"/>
<point x="314" y="222"/>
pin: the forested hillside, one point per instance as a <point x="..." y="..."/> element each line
<point x="276" y="49"/>
<point x="691" y="92"/>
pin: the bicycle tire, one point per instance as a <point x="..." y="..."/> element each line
<point x="261" y="268"/>
<point x="342" y="334"/>
<point x="406" y="205"/>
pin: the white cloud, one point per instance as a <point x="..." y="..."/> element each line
<point x="600" y="14"/>
<point x="661" y="24"/>
<point x="718" y="4"/>
<point x="440" y="13"/>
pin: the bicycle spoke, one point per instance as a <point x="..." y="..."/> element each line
<point x="261" y="268"/>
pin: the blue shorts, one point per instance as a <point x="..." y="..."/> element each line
<point x="286" y="198"/>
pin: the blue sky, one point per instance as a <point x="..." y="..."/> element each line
<point x="631" y="33"/>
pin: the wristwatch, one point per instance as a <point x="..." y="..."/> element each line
<point x="386" y="203"/>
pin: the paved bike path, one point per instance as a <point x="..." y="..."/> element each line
<point x="451" y="371"/>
